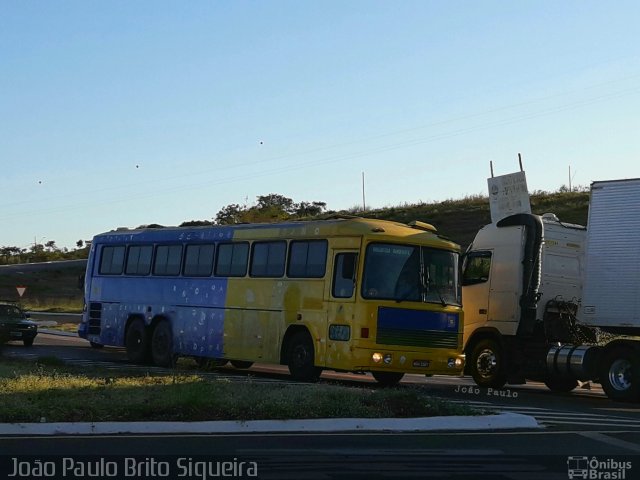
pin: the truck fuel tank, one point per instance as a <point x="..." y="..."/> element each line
<point x="578" y="362"/>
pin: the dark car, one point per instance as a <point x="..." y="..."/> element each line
<point x="15" y="324"/>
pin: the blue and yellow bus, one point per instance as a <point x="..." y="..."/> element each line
<point x="345" y="294"/>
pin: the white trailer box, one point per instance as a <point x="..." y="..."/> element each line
<point x="611" y="289"/>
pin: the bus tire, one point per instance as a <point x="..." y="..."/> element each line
<point x="620" y="374"/>
<point x="241" y="364"/>
<point x="387" y="379"/>
<point x="301" y="358"/>
<point x="487" y="364"/>
<point x="136" y="342"/>
<point x="162" y="345"/>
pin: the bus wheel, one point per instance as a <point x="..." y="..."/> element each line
<point x="387" y="379"/>
<point x="241" y="364"/>
<point x="301" y="358"/>
<point x="487" y="364"/>
<point x="136" y="341"/>
<point x="162" y="345"/>
<point x="620" y="374"/>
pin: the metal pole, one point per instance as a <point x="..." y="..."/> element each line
<point x="364" y="205"/>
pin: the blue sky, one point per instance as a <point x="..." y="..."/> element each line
<point x="123" y="113"/>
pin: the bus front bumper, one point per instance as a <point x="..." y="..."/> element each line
<point x="443" y="362"/>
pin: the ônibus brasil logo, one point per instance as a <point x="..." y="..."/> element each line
<point x="593" y="468"/>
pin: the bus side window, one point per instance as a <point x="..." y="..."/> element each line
<point x="167" y="261"/>
<point x="344" y="275"/>
<point x="198" y="260"/>
<point x="232" y="259"/>
<point x="112" y="260"/>
<point x="268" y="259"/>
<point x="307" y="259"/>
<point x="139" y="260"/>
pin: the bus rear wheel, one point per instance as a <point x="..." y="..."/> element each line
<point x="301" y="358"/>
<point x="136" y="342"/>
<point x="387" y="379"/>
<point x="162" y="345"/>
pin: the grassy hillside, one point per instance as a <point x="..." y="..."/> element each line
<point x="56" y="286"/>
<point x="49" y="286"/>
<point x="461" y="219"/>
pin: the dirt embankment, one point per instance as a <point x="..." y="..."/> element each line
<point x="49" y="285"/>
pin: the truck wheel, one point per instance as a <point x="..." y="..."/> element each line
<point x="560" y="384"/>
<point x="387" y="379"/>
<point x="487" y="364"/>
<point x="136" y="341"/>
<point x="620" y="374"/>
<point x="301" y="358"/>
<point x="162" y="345"/>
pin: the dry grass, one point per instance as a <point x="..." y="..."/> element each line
<point x="31" y="393"/>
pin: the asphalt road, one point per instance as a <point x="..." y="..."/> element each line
<point x="580" y="425"/>
<point x="490" y="455"/>
<point x="587" y="409"/>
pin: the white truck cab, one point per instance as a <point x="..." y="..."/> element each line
<point x="555" y="302"/>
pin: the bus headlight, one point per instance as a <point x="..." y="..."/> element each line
<point x="376" y="357"/>
<point x="454" y="362"/>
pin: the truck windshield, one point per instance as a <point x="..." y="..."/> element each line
<point x="410" y="273"/>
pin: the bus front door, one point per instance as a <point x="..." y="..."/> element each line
<point x="341" y="295"/>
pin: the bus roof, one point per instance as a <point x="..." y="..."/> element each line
<point x="417" y="232"/>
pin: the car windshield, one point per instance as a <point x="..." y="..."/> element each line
<point x="410" y="273"/>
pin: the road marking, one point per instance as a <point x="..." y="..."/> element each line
<point x="461" y="452"/>
<point x="616" y="442"/>
<point x="550" y="417"/>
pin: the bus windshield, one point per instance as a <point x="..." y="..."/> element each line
<point x="410" y="273"/>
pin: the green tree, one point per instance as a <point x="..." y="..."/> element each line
<point x="306" y="209"/>
<point x="230" y="215"/>
<point x="196" y="223"/>
<point x="268" y="209"/>
<point x="275" y="202"/>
